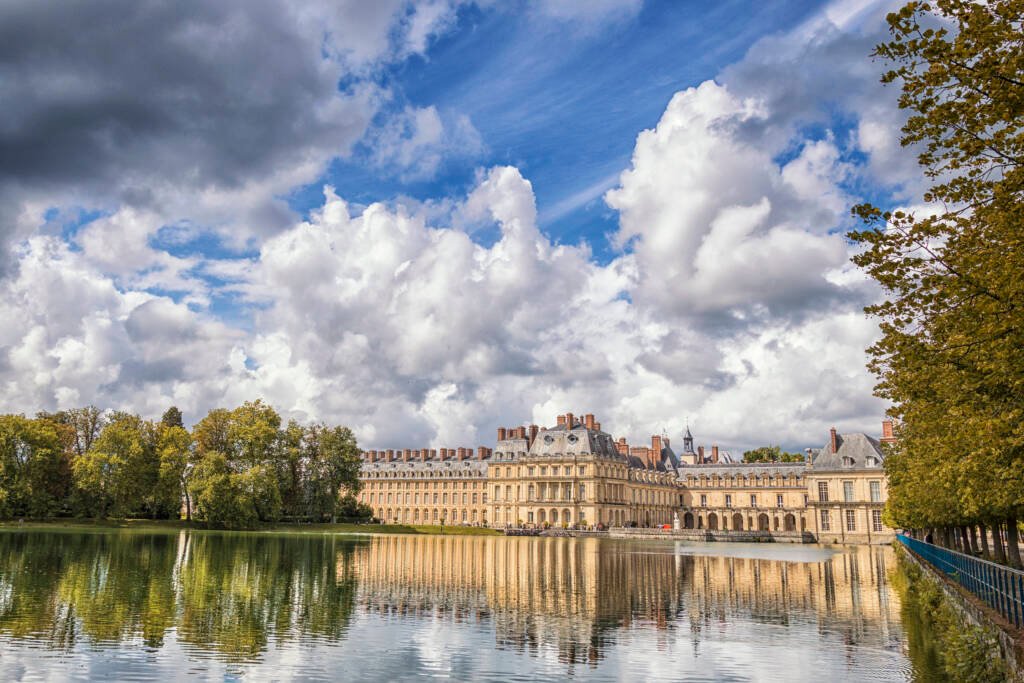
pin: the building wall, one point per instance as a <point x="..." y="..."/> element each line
<point x="851" y="514"/>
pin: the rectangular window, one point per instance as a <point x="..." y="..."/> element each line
<point x="778" y="500"/>
<point x="583" y="471"/>
<point x="529" y="471"/>
<point x="583" y="492"/>
<point x="484" y="497"/>
<point x="444" y="498"/>
<point x="474" y="499"/>
<point x="753" y="501"/>
<point x="848" y="491"/>
<point x="876" y="520"/>
<point x="851" y="520"/>
<point x="728" y="500"/>
<point x="876" y="492"/>
<point x="497" y="492"/>
<point x="703" y="500"/>
<point x="543" y="471"/>
<point x="823" y="491"/>
<point x="825" y="525"/>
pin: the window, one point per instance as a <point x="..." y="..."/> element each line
<point x="728" y="500"/>
<point x="529" y="471"/>
<point x="778" y="500"/>
<point x="474" y="498"/>
<point x="583" y="492"/>
<point x="848" y="491"/>
<point x="806" y="499"/>
<point x="753" y="501"/>
<point x="435" y="499"/>
<point x="483" y="498"/>
<point x="703" y="500"/>
<point x="543" y="471"/>
<point x="823" y="491"/>
<point x="583" y="471"/>
<point x="876" y="520"/>
<point x="529" y="517"/>
<point x="825" y="525"/>
<point x="851" y="520"/>
<point x="497" y="492"/>
<point x="876" y="491"/>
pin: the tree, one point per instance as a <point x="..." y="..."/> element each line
<point x="174" y="447"/>
<point x="771" y="454"/>
<point x="34" y="478"/>
<point x="172" y="418"/>
<point x="952" y="321"/>
<point x="119" y="473"/>
<point x="333" y="466"/>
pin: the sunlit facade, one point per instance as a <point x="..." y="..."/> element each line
<point x="576" y="475"/>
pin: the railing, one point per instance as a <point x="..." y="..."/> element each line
<point x="999" y="587"/>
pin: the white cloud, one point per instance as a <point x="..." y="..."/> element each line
<point x="416" y="141"/>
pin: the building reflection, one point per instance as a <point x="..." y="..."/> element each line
<point x="579" y="595"/>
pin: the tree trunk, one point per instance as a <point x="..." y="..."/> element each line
<point x="188" y="506"/>
<point x="983" y="533"/>
<point x="997" y="544"/>
<point x="947" y="538"/>
<point x="972" y="536"/>
<point x="1012" y="544"/>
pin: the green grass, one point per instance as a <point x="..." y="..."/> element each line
<point x="169" y="525"/>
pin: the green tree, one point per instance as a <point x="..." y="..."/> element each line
<point x="332" y="466"/>
<point x="118" y="475"/>
<point x="172" y="418"/>
<point x="34" y="477"/>
<point x="952" y="321"/>
<point x="771" y="454"/>
<point x="174" y="448"/>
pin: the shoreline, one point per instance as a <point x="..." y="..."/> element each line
<point x="174" y="525"/>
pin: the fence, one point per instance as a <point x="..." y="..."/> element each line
<point x="1001" y="588"/>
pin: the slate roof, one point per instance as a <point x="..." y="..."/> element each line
<point x="853" y="452"/>
<point x="747" y="469"/>
<point x="430" y="468"/>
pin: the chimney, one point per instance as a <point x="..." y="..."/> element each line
<point x="621" y="446"/>
<point x="501" y="433"/>
<point x="655" y="450"/>
<point x="597" y="426"/>
<point x="561" y="420"/>
<point x="569" y="422"/>
<point x="533" y="435"/>
<point x="407" y="454"/>
<point x="481" y="453"/>
<point x="888" y="436"/>
<point x="589" y="420"/>
<point x="700" y="454"/>
<point x="714" y="453"/>
<point x="433" y="454"/>
<point x="834" y="443"/>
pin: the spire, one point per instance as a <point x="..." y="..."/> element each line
<point x="688" y="441"/>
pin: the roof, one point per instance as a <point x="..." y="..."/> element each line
<point x="749" y="469"/>
<point x="854" y="451"/>
<point x="430" y="468"/>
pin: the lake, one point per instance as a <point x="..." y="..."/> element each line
<point x="130" y="605"/>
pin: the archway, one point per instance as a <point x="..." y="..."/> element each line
<point x="762" y="522"/>
<point x="553" y="516"/>
<point x="737" y="522"/>
<point x="541" y="516"/>
<point x="789" y="523"/>
<point x="566" y="516"/>
<point x="713" y="522"/>
<point x="688" y="520"/>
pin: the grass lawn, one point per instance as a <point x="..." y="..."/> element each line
<point x="169" y="525"/>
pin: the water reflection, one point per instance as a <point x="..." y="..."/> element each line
<point x="466" y="607"/>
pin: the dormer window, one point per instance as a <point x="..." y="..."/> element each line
<point x="847" y="461"/>
<point x="872" y="461"/>
<point x="573" y="438"/>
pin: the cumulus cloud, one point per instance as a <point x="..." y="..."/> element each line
<point x="731" y="303"/>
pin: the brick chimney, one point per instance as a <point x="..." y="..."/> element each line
<point x="655" y="450"/>
<point x="597" y="426"/>
<point x="834" y="442"/>
<point x="888" y="436"/>
<point x="481" y="453"/>
<point x="700" y="454"/>
<point x="533" y="435"/>
<point x="588" y="419"/>
<point x="569" y="422"/>
<point x="621" y="446"/>
<point x="561" y="420"/>
<point x="714" y="453"/>
<point x="501" y="433"/>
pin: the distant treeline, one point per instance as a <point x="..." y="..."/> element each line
<point x="236" y="468"/>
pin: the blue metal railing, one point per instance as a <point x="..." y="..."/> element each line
<point x="999" y="587"/>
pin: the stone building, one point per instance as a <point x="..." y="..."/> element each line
<point x="847" y="488"/>
<point x="575" y="474"/>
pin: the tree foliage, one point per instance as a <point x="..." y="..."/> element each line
<point x="771" y="454"/>
<point x="237" y="468"/>
<point x="952" y="322"/>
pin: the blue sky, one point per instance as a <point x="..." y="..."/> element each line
<point x="423" y="219"/>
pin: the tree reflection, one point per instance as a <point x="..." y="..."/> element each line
<point x="226" y="593"/>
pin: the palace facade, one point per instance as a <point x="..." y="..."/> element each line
<point x="574" y="474"/>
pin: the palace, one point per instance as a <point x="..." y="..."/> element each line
<point x="574" y="474"/>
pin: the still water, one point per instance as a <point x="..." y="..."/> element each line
<point x="165" y="606"/>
